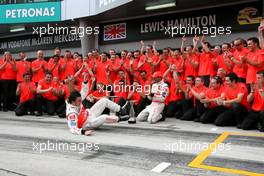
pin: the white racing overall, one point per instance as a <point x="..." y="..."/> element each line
<point x="93" y="116"/>
<point x="152" y="113"/>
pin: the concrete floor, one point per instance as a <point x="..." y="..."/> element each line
<point x="32" y="146"/>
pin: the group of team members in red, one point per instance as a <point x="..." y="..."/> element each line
<point x="223" y="86"/>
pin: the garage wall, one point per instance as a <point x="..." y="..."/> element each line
<point x="176" y="42"/>
<point x="47" y="53"/>
<point x="161" y="43"/>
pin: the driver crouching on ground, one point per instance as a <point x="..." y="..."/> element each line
<point x="82" y="121"/>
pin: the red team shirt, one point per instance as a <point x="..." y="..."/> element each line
<point x="100" y="72"/>
<point x="48" y="95"/>
<point x="136" y="97"/>
<point x="69" y="69"/>
<point x="146" y="66"/>
<point x="55" y="71"/>
<point x="189" y="69"/>
<point x="26" y="93"/>
<point x="206" y="66"/>
<point x="113" y="64"/>
<point x="22" y="67"/>
<point x="232" y="93"/>
<point x="241" y="71"/>
<point x="1" y="62"/>
<point x="179" y="63"/>
<point x="163" y="67"/>
<point x="38" y="75"/>
<point x="174" y="95"/>
<point x="212" y="93"/>
<point x="221" y="63"/>
<point x="134" y="67"/>
<point x="252" y="70"/>
<point x="8" y="73"/>
<point x="258" y="103"/>
<point x="201" y="89"/>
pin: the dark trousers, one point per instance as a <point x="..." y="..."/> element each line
<point x="61" y="107"/>
<point x="141" y="105"/>
<point x="186" y="105"/>
<point x="50" y="106"/>
<point x="177" y="109"/>
<point x="25" y="107"/>
<point x="121" y="101"/>
<point x="18" y="96"/>
<point x="252" y="120"/>
<point x="210" y="115"/>
<point x="173" y="108"/>
<point x="233" y="116"/>
<point x="194" y="113"/>
<point x="8" y="94"/>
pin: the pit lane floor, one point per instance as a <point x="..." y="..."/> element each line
<point x="28" y="147"/>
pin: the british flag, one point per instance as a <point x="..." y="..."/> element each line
<point x="115" y="31"/>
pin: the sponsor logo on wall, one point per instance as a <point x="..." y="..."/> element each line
<point x="249" y="15"/>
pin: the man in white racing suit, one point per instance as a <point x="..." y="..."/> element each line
<point x="82" y="121"/>
<point x="159" y="92"/>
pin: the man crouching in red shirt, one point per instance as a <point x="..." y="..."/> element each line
<point x="46" y="95"/>
<point x="256" y="97"/>
<point x="27" y="91"/>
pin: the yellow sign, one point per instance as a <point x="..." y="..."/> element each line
<point x="248" y="15"/>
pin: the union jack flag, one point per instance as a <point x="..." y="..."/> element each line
<point x="115" y="31"/>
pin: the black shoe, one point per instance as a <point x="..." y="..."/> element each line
<point x="132" y="120"/>
<point x="124" y="110"/>
<point x="162" y="119"/>
<point x="62" y="116"/>
<point x="239" y="126"/>
<point x="5" y="109"/>
<point x="39" y="114"/>
<point x="178" y="115"/>
<point x="197" y="120"/>
<point x="123" y="118"/>
<point x="11" y="109"/>
<point x="260" y="127"/>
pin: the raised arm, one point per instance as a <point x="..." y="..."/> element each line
<point x="85" y="87"/>
<point x="195" y="43"/>
<point x="205" y="47"/>
<point x="184" y="39"/>
<point x="154" y="48"/>
<point x="261" y="34"/>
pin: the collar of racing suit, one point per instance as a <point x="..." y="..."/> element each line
<point x="72" y="109"/>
